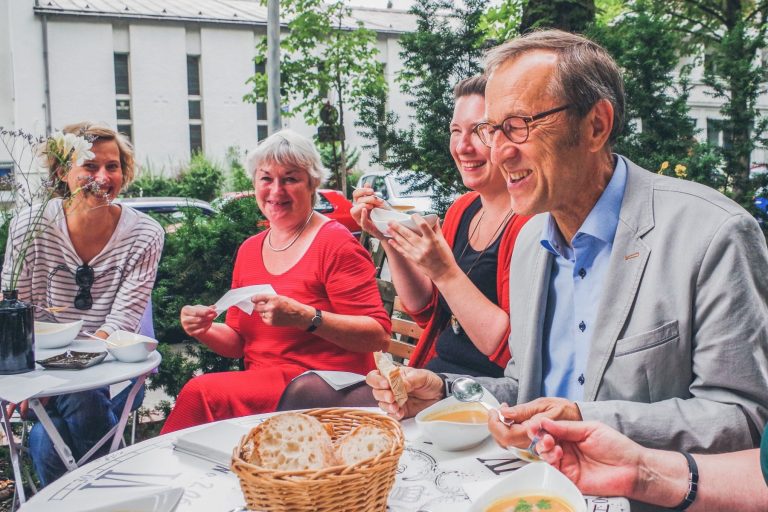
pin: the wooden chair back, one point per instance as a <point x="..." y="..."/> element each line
<point x="405" y="333"/>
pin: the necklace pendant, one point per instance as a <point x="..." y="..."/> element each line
<point x="455" y="325"/>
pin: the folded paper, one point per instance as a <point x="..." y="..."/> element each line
<point x="241" y="297"/>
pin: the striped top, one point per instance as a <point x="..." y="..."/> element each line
<point x="124" y="270"/>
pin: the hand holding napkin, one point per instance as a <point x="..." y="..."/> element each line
<point x="241" y="297"/>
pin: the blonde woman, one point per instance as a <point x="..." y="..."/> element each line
<point x="97" y="262"/>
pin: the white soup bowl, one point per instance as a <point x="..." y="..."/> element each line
<point x="535" y="479"/>
<point x="130" y="347"/>
<point x="380" y="217"/>
<point x="454" y="435"/>
<point x="53" y="335"/>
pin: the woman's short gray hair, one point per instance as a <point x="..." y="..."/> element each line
<point x="585" y="72"/>
<point x="290" y="149"/>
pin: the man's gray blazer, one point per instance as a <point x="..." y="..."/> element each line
<point x="678" y="359"/>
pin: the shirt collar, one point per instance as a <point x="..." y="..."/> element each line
<point x="601" y="222"/>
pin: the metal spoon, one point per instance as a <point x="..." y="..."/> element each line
<point x="465" y="389"/>
<point x="385" y="205"/>
<point x="91" y="335"/>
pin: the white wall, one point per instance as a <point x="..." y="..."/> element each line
<point x="82" y="79"/>
<point x="6" y="70"/>
<point x="25" y="61"/>
<point x="158" y="74"/>
<point x="225" y="65"/>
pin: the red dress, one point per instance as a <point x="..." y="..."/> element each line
<point x="336" y="275"/>
<point x="428" y="317"/>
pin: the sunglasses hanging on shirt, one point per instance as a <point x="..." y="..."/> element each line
<point x="84" y="281"/>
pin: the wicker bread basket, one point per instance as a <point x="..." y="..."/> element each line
<point x="363" y="486"/>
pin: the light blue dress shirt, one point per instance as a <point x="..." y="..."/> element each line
<point x="575" y="290"/>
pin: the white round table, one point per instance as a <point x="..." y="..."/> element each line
<point x="109" y="371"/>
<point x="427" y="478"/>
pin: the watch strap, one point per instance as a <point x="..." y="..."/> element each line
<point x="447" y="384"/>
<point x="693" y="482"/>
<point x="316" y="321"/>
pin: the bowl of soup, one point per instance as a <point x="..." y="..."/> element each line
<point x="452" y="425"/>
<point x="381" y="217"/>
<point x="130" y="347"/>
<point x="53" y="335"/>
<point x="534" y="488"/>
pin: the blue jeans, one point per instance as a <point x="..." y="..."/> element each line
<point x="81" y="419"/>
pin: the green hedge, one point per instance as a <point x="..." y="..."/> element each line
<point x="196" y="268"/>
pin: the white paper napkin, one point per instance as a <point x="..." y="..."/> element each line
<point x="163" y="499"/>
<point x="17" y="388"/>
<point x="213" y="442"/>
<point x="338" y="380"/>
<point x="241" y="297"/>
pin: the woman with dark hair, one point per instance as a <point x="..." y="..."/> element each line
<point x="91" y="260"/>
<point x="453" y="279"/>
<point x="327" y="313"/>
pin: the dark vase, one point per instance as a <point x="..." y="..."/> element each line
<point x="17" y="335"/>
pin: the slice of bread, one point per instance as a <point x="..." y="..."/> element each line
<point x="363" y="442"/>
<point x="392" y="374"/>
<point x="293" y="442"/>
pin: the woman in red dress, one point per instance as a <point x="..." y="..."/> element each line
<point x="327" y="313"/>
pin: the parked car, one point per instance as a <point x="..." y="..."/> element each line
<point x="761" y="203"/>
<point x="169" y="211"/>
<point x="393" y="188"/>
<point x="330" y="203"/>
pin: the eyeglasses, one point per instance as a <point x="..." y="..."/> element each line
<point x="515" y="128"/>
<point x="84" y="279"/>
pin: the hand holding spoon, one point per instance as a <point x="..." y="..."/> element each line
<point x="465" y="389"/>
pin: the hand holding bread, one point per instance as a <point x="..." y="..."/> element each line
<point x="421" y="387"/>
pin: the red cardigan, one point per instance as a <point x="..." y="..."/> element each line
<point x="428" y="317"/>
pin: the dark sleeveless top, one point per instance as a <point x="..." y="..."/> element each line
<point x="455" y="352"/>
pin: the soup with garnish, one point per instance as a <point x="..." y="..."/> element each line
<point x="465" y="414"/>
<point x="530" y="503"/>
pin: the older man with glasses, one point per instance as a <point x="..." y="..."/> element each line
<point x="640" y="300"/>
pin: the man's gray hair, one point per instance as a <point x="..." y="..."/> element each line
<point x="585" y="73"/>
<point x="290" y="149"/>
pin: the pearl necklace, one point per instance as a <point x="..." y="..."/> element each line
<point x="296" y="237"/>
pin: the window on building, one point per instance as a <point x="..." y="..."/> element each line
<point x="262" y="124"/>
<point x="123" y="94"/>
<point x="710" y="64"/>
<point x="718" y="134"/>
<point x="6" y="170"/>
<point x="195" y="138"/>
<point x="194" y="101"/>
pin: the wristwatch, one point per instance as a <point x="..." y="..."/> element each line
<point x="316" y="321"/>
<point x="447" y="384"/>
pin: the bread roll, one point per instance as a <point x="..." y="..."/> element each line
<point x="363" y="442"/>
<point x="293" y="442"/>
<point x="392" y="374"/>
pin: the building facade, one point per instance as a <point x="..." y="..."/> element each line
<point x="171" y="74"/>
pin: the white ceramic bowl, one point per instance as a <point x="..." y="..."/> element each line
<point x="453" y="435"/>
<point x="130" y="347"/>
<point x="380" y="217"/>
<point x="537" y="478"/>
<point x="53" y="335"/>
